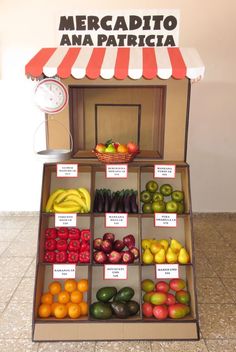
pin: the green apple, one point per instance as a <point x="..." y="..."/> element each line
<point x="178" y="196"/>
<point x="171" y="206"/>
<point x="152" y="186"/>
<point x="147" y="208"/>
<point x="157" y="196"/>
<point x="159" y="206"/>
<point x="145" y="197"/>
<point x="180" y="209"/>
<point x="110" y="149"/>
<point x="166" y="189"/>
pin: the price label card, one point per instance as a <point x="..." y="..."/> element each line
<point x="116" y="220"/>
<point x="117" y="171"/>
<point x="164" y="171"/>
<point x="65" y="220"/>
<point x="115" y="272"/>
<point x="167" y="271"/>
<point x="63" y="271"/>
<point x="67" y="170"/>
<point x="165" y="220"/>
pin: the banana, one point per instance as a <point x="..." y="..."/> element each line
<point x="66" y="193"/>
<point x="78" y="200"/>
<point x="85" y="193"/>
<point x="52" y="198"/>
<point x="67" y="207"/>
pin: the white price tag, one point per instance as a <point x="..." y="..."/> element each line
<point x="165" y="220"/>
<point x="164" y="171"/>
<point x="116" y="220"/>
<point x="65" y="220"/>
<point x="116" y="171"/>
<point x="67" y="170"/>
<point x="115" y="272"/>
<point x="63" y="271"/>
<point x="167" y="271"/>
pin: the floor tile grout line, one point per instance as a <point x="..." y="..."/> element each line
<point x="8" y="302"/>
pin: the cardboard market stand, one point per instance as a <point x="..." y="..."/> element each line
<point x="139" y="94"/>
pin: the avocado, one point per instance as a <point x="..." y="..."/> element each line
<point x="133" y="307"/>
<point x="100" y="310"/>
<point x="124" y="294"/>
<point x="120" y="309"/>
<point x="104" y="294"/>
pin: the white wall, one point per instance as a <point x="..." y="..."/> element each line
<point x="28" y="25"/>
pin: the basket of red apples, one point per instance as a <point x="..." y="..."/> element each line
<point x="113" y="152"/>
<point x="109" y="250"/>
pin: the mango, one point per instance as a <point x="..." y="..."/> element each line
<point x="178" y="311"/>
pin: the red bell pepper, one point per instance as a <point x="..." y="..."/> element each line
<point x="85" y="235"/>
<point x="85" y="246"/>
<point x="61" y="257"/>
<point x="74" y="234"/>
<point x="62" y="245"/>
<point x="51" y="233"/>
<point x="50" y="245"/>
<point x="50" y="257"/>
<point x="63" y="233"/>
<point x="84" y="257"/>
<point x="73" y="257"/>
<point x="74" y="246"/>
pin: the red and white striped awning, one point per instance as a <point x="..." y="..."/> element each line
<point x="119" y="63"/>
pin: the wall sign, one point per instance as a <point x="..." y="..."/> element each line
<point x="115" y="272"/>
<point x="165" y="220"/>
<point x="131" y="28"/>
<point x="116" y="220"/>
<point x="67" y="170"/>
<point x="65" y="220"/>
<point x="63" y="271"/>
<point x="116" y="171"/>
<point x="164" y="171"/>
<point x="167" y="271"/>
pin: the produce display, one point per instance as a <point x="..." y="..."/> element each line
<point x="164" y="251"/>
<point x="109" y="250"/>
<point x="64" y="302"/>
<point x="162" y="300"/>
<point x="112" y="303"/>
<point x="71" y="200"/>
<point x="67" y="245"/>
<point x="116" y="147"/>
<point x="154" y="199"/>
<point x="124" y="201"/>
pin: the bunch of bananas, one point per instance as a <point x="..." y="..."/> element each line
<point x="71" y="200"/>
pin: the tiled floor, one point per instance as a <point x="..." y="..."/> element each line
<point x="215" y="246"/>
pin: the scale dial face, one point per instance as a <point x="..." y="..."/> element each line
<point x="51" y="96"/>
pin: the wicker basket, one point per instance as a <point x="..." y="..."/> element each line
<point x="115" y="158"/>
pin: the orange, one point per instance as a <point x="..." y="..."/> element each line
<point x="60" y="311"/>
<point x="63" y="297"/>
<point x="53" y="306"/>
<point x="76" y="296"/>
<point x="70" y="285"/>
<point x="47" y="298"/>
<point x="82" y="285"/>
<point x="68" y="304"/>
<point x="74" y="311"/>
<point x="83" y="308"/>
<point x="54" y="287"/>
<point x="44" y="310"/>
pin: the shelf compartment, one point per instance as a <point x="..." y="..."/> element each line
<point x="82" y="222"/>
<point x="44" y="275"/>
<point x="133" y="281"/>
<point x="182" y="232"/>
<point x="51" y="182"/>
<point x="180" y="182"/>
<point x="185" y="273"/>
